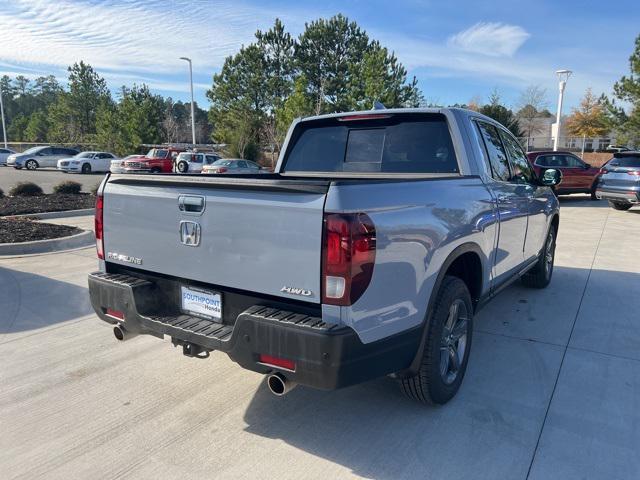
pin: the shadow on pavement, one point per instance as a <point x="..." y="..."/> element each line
<point x="29" y="301"/>
<point x="582" y="201"/>
<point x="489" y="430"/>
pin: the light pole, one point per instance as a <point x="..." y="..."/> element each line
<point x="4" y="128"/>
<point x="193" y="117"/>
<point x="563" y="76"/>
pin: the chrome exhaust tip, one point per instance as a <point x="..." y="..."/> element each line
<point x="279" y="385"/>
<point x="122" y="333"/>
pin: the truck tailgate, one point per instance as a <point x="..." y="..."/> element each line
<point x="255" y="235"/>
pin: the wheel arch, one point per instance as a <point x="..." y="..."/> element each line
<point x="466" y="262"/>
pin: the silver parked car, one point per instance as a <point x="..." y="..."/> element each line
<point x="233" y="165"/>
<point x="620" y="181"/>
<point x="38" y="157"/>
<point x="4" y="154"/>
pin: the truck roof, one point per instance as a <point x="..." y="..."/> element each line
<point x="461" y="111"/>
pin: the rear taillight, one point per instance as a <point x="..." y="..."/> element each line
<point x="602" y="171"/>
<point x="348" y="256"/>
<point x="99" y="226"/>
<point x="635" y="173"/>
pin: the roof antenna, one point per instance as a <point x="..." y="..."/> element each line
<point x="378" y="105"/>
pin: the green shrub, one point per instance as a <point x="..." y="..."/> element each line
<point x="94" y="189"/>
<point x="25" y="189"/>
<point x="68" y="187"/>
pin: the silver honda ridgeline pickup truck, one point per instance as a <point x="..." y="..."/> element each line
<point x="365" y="254"/>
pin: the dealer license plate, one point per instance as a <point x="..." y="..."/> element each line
<point x="201" y="303"/>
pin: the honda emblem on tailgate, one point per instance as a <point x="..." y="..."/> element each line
<point x="190" y="233"/>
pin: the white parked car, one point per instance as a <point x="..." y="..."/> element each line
<point x="192" y="162"/>
<point x="4" y="154"/>
<point x="87" y="162"/>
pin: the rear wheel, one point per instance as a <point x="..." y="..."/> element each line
<point x="447" y="347"/>
<point x="31" y="164"/>
<point x="86" y="168"/>
<point x="183" y="167"/>
<point x="620" y="206"/>
<point x="540" y="275"/>
<point x="593" y="193"/>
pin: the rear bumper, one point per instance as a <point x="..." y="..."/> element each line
<point x="630" y="195"/>
<point x="326" y="356"/>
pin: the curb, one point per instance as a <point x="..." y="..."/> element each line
<point x="83" y="239"/>
<point x="63" y="214"/>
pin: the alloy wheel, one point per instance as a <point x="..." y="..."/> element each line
<point x="453" y="344"/>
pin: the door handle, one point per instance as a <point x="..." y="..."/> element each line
<point x="191" y="203"/>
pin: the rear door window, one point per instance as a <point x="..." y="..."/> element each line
<point x="521" y="171"/>
<point x="495" y="149"/>
<point x="573" y="162"/>
<point x="393" y="143"/>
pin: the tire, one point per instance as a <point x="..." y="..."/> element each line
<point x="620" y="206"/>
<point x="86" y="168"/>
<point x="540" y="275"/>
<point x="155" y="170"/>
<point x="593" y="193"/>
<point x="450" y="333"/>
<point x="31" y="164"/>
<point x="183" y="167"/>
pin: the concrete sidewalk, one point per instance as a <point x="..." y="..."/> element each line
<point x="552" y="390"/>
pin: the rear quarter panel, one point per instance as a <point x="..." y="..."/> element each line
<point x="418" y="225"/>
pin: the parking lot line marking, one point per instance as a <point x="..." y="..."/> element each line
<point x="566" y="347"/>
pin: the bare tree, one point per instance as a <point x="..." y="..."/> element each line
<point x="532" y="103"/>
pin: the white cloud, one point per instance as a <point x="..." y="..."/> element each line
<point x="126" y="35"/>
<point x="493" y="39"/>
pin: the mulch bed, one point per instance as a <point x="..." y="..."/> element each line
<point x="55" y="202"/>
<point x="16" y="230"/>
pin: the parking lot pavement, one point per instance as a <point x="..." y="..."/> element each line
<point x="47" y="178"/>
<point x="552" y="390"/>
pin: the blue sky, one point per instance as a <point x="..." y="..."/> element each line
<point x="457" y="50"/>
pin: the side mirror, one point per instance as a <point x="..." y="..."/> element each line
<point x="551" y="177"/>
<point x="587" y="166"/>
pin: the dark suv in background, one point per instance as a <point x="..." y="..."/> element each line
<point x="577" y="176"/>
<point x="620" y="181"/>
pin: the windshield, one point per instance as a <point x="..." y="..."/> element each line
<point x="393" y="143"/>
<point x="32" y="150"/>
<point x="157" y="153"/>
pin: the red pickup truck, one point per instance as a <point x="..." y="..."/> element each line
<point x="157" y="160"/>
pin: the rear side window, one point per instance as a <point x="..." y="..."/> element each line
<point x="495" y="150"/>
<point x="395" y="143"/>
